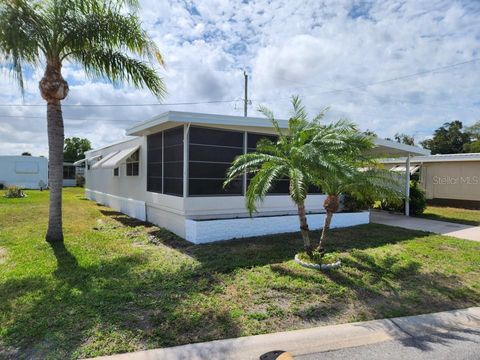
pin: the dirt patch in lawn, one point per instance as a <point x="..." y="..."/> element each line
<point x="3" y="255"/>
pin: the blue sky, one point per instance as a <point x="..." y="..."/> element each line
<point x="327" y="52"/>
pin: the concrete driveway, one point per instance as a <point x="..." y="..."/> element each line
<point x="467" y="232"/>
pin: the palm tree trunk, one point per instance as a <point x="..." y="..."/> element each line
<point x="304" y="229"/>
<point x="54" y="89"/>
<point x="55" y="170"/>
<point x="331" y="205"/>
<point x="326" y="227"/>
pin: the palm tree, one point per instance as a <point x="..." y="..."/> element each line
<point x="302" y="143"/>
<point x="104" y="37"/>
<point x="362" y="179"/>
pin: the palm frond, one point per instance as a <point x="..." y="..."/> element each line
<point x="120" y="68"/>
<point x="261" y="183"/>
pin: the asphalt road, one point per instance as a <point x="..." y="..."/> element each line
<point x="453" y="345"/>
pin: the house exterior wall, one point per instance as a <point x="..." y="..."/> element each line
<point x="24" y="171"/>
<point x="200" y="232"/>
<point x="452" y="180"/>
<point x="128" y="194"/>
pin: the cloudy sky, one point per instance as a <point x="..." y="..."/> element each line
<point x="352" y="56"/>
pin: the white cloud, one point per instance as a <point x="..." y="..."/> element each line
<point x="288" y="47"/>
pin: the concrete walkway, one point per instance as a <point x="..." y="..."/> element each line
<point x="467" y="232"/>
<point x="311" y="343"/>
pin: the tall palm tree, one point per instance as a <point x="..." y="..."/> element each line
<point x="362" y="179"/>
<point x="104" y="37"/>
<point x="301" y="144"/>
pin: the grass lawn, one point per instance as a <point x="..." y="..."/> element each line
<point x="457" y="215"/>
<point x="120" y="285"/>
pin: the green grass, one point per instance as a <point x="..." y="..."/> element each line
<point x="457" y="215"/>
<point x="121" y="285"/>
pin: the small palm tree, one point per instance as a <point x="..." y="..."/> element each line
<point x="104" y="37"/>
<point x="362" y="179"/>
<point x="303" y="143"/>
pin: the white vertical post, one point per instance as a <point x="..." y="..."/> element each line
<point x="186" y="128"/>
<point x="407" y="186"/>
<point x="245" y="145"/>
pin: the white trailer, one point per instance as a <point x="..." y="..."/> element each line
<point x="28" y="172"/>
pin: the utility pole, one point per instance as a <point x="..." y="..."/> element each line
<point x="245" y="100"/>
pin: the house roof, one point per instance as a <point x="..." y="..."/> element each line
<point x="159" y="122"/>
<point x="149" y="126"/>
<point x="436" y="158"/>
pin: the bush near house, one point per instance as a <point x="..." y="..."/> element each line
<point x="14" y="192"/>
<point x="418" y="201"/>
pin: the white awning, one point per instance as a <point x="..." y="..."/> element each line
<point x="402" y="168"/>
<point x="80" y="162"/>
<point x="98" y="164"/>
<point x="118" y="158"/>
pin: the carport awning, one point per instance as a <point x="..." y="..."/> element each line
<point x="98" y="164"/>
<point x="118" y="158"/>
<point x="401" y="168"/>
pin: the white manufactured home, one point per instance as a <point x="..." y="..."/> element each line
<point x="28" y="172"/>
<point x="171" y="173"/>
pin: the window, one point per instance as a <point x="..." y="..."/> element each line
<point x="133" y="164"/>
<point x="173" y="161"/>
<point x="211" y="152"/>
<point x="26" y="167"/>
<point x="115" y="171"/>
<point x="68" y="172"/>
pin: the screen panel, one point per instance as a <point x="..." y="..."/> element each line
<point x="173" y="161"/>
<point x="211" y="153"/>
<point x="155" y="162"/>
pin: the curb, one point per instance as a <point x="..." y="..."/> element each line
<point x="319" y="339"/>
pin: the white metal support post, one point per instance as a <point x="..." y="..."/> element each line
<point x="186" y="130"/>
<point x="407" y="186"/>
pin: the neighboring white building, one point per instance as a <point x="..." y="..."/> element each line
<point x="70" y="172"/>
<point x="29" y="172"/>
<point x="450" y="179"/>
<point x="158" y="177"/>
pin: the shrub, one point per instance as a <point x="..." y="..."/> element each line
<point x="14" y="192"/>
<point x="80" y="180"/>
<point x="417" y="204"/>
<point x="350" y="203"/>
<point x="418" y="201"/>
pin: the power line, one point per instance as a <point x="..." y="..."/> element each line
<point x="65" y="119"/>
<point x="402" y="77"/>
<point x="126" y="105"/>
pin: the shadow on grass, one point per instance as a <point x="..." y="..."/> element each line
<point x="111" y="296"/>
<point x="226" y="256"/>
<point x="449" y="219"/>
<point x="388" y="286"/>
<point x="125" y="220"/>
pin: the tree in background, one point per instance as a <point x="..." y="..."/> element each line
<point x="448" y="139"/>
<point x="26" y="153"/>
<point x="474" y="132"/>
<point x="75" y="148"/>
<point x="405" y="139"/>
<point x="104" y="37"/>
